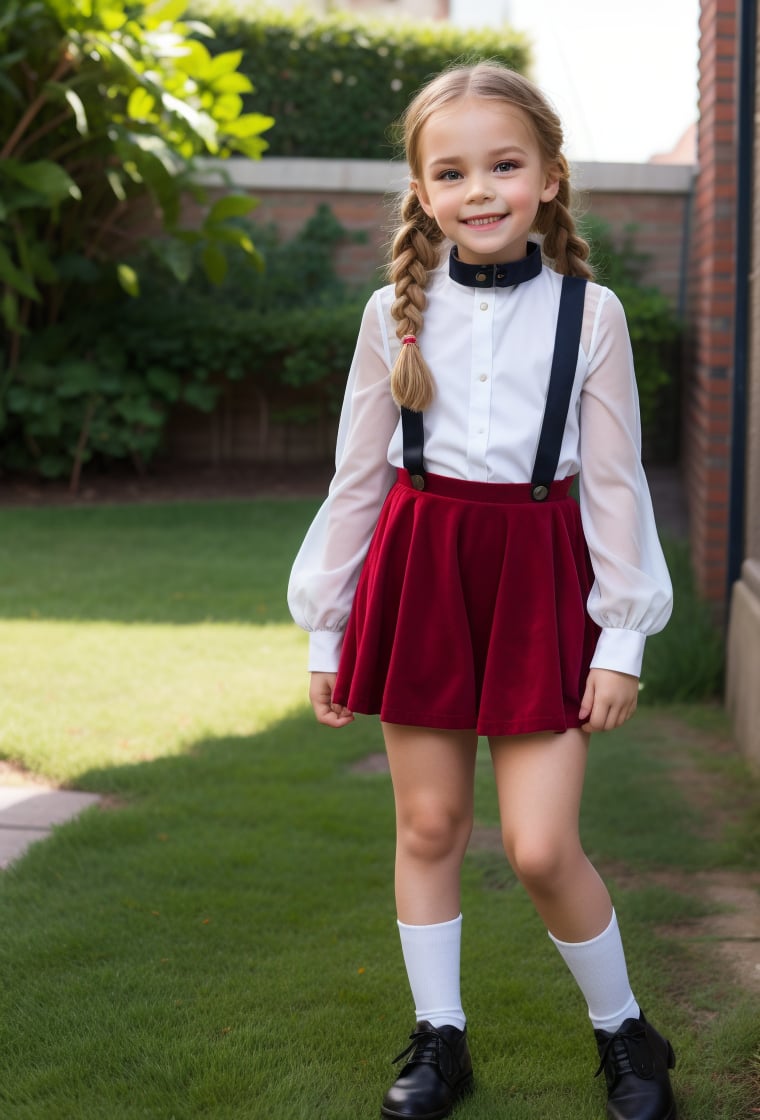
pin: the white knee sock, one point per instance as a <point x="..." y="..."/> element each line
<point x="431" y="955"/>
<point x="600" y="972"/>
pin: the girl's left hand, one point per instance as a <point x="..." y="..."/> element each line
<point x="609" y="700"/>
<point x="321" y="687"/>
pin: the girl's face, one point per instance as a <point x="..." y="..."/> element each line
<point x="482" y="178"/>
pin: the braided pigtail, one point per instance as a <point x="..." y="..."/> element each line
<point x="415" y="252"/>
<point x="562" y="244"/>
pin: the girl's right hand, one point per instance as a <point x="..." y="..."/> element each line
<point x="320" y="695"/>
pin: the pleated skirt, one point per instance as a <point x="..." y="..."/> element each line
<point x="470" y="611"/>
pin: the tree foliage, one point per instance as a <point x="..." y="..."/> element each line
<point x="654" y="327"/>
<point x="100" y="385"/>
<point x="104" y="107"/>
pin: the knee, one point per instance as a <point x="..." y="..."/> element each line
<point x="431" y="832"/>
<point x="539" y="862"/>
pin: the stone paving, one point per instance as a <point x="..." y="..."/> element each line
<point x="29" y="812"/>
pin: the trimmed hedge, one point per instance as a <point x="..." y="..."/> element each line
<point x="335" y="84"/>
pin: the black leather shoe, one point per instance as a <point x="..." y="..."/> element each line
<point x="636" y="1060"/>
<point x="437" y="1073"/>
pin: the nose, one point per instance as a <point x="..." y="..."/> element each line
<point x="479" y="190"/>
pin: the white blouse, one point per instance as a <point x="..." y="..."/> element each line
<point x="490" y="352"/>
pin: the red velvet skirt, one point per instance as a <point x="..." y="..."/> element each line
<point x="470" y="610"/>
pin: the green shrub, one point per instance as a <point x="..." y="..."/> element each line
<point x="654" y="329"/>
<point x="685" y="663"/>
<point x="100" y="384"/>
<point x="104" y="105"/>
<point x="334" y="83"/>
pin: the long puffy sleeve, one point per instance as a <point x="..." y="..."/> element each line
<point x="326" y="570"/>
<point x="632" y="594"/>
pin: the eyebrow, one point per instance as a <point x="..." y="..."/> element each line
<point x="497" y="153"/>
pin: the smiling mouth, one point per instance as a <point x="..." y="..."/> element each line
<point x="489" y="220"/>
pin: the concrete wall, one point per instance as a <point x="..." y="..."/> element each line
<point x="743" y="649"/>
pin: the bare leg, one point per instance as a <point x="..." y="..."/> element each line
<point x="539" y="779"/>
<point x="433" y="780"/>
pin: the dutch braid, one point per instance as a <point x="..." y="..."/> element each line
<point x="415" y="252"/>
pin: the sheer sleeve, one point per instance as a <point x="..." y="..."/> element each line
<point x="632" y="595"/>
<point x="326" y="570"/>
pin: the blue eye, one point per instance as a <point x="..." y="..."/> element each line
<point x="450" y="176"/>
<point x="506" y="165"/>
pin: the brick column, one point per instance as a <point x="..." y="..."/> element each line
<point x="707" y="404"/>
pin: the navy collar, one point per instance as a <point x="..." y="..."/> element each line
<point x="500" y="275"/>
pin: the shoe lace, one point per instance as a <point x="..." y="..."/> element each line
<point x="424" y="1045"/>
<point x="616" y="1052"/>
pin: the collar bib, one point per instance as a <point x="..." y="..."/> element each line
<point x="506" y="275"/>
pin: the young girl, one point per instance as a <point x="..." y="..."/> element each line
<point x="452" y="585"/>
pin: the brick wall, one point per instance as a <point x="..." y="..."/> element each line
<point x="654" y="198"/>
<point x="707" y="402"/>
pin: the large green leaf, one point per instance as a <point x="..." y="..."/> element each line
<point x="177" y="256"/>
<point x="248" y="125"/>
<point x="141" y="105"/>
<point x="17" y="279"/>
<point x="231" y="83"/>
<point x="9" y="310"/>
<point x="128" y="279"/>
<point x="224" y="63"/>
<point x="164" y="11"/>
<point x="231" y="206"/>
<point x="45" y="178"/>
<point x="214" y="262"/>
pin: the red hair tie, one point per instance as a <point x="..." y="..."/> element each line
<point x="409" y="340"/>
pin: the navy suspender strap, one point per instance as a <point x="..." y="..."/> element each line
<point x="564" y="363"/>
<point x="414" y="442"/>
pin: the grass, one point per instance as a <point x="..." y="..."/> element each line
<point x="219" y="940"/>
<point x="686" y="660"/>
<point x="130" y="633"/>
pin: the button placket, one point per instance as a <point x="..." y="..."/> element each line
<point x="480" y="385"/>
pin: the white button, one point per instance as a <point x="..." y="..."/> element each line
<point x="484" y="307"/>
<point x="483" y="377"/>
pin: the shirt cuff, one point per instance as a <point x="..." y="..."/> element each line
<point x="324" y="650"/>
<point x="620" y="650"/>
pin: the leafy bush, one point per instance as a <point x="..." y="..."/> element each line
<point x="294" y="326"/>
<point x="654" y="328"/>
<point x="335" y="82"/>
<point x="686" y="662"/>
<point x="101" y="383"/>
<point x="104" y="105"/>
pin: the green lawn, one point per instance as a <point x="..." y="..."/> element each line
<point x="219" y="939"/>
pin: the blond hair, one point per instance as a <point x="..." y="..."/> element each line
<point x="415" y="250"/>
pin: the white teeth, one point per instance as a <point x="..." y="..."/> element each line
<point x="481" y="221"/>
